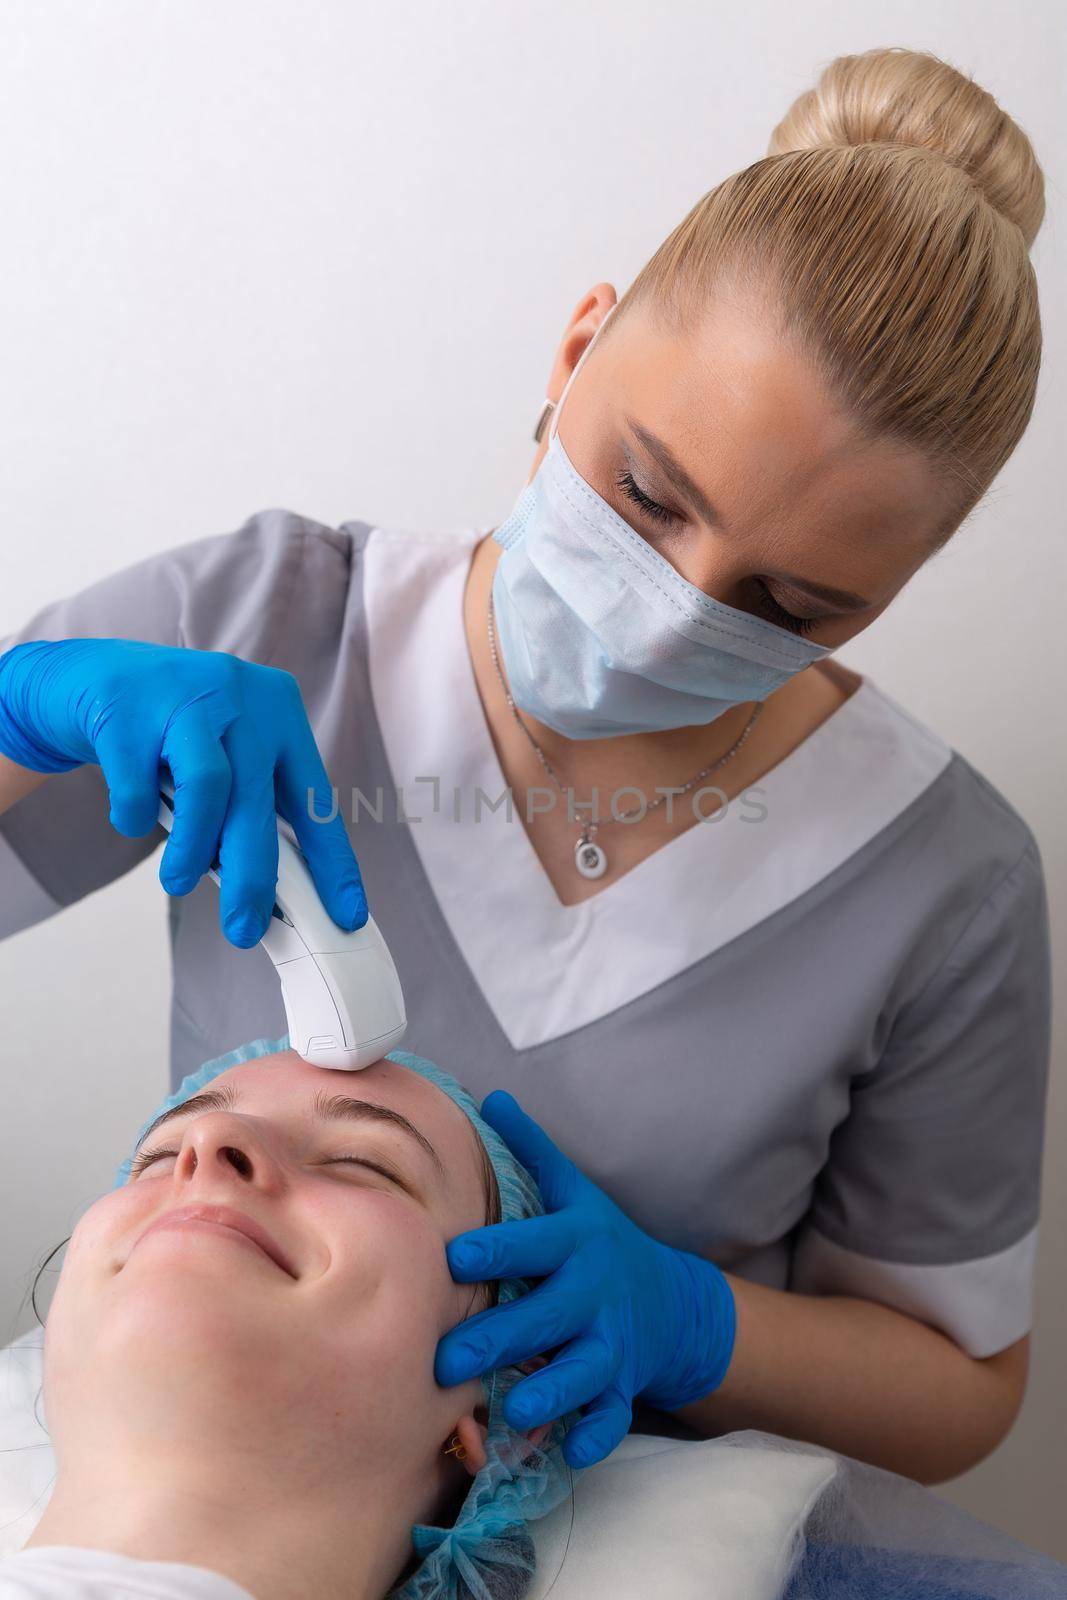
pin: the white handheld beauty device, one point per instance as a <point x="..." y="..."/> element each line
<point x="342" y="996"/>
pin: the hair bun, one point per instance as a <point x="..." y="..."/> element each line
<point x="910" y="97"/>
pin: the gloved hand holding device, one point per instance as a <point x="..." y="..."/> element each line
<point x="239" y="746"/>
<point x="634" y="1316"/>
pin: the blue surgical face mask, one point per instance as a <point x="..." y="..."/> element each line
<point x="600" y="635"/>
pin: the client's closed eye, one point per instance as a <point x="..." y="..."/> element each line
<point x="362" y="1161"/>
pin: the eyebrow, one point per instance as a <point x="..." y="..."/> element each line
<point x="675" y="473"/>
<point x="680" y="480"/>
<point x="327" y="1108"/>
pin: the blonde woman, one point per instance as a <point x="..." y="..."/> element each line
<point x="761" y="951"/>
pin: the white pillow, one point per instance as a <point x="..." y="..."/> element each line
<point x="695" y="1520"/>
<point x="27" y="1461"/>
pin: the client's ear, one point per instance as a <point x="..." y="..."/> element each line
<point x="471" y="1435"/>
<point x="471" y="1431"/>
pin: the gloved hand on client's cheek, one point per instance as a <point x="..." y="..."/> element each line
<point x="626" y="1315"/>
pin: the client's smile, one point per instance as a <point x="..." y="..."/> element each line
<point x="227" y="1221"/>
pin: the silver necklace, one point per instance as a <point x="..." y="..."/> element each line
<point x="590" y="857"/>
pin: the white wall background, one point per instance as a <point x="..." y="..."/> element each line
<point x="319" y="254"/>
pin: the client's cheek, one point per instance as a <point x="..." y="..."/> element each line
<point x="379" y="1322"/>
<point x="96" y="1244"/>
<point x="78" y="1305"/>
<point x="457" y="1302"/>
<point x="388" y="1261"/>
<point x="463" y="1300"/>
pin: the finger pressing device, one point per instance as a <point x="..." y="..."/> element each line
<point x="343" y="1002"/>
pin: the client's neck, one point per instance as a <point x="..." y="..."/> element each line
<point x="235" y="1515"/>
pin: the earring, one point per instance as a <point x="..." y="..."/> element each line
<point x="546" y="411"/>
<point x="456" y="1449"/>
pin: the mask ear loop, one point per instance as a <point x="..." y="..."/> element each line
<point x="552" y="408"/>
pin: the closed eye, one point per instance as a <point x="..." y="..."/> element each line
<point x="145" y="1159"/>
<point x="773" y="609"/>
<point x="632" y="489"/>
<point x="361" y="1161"/>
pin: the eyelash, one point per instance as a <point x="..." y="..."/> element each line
<point x="775" y="611"/>
<point x="626" y="483"/>
<point x="778" y="613"/>
<point x="147" y="1157"/>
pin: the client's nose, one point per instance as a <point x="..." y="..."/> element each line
<point x="221" y="1144"/>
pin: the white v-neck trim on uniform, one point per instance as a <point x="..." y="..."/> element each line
<point x="546" y="968"/>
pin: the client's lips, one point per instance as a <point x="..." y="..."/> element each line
<point x="225" y="1217"/>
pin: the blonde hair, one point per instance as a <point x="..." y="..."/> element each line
<point x="886" y="232"/>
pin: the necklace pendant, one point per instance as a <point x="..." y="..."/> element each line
<point x="590" y="859"/>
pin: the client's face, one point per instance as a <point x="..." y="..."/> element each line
<point x="314" y="1339"/>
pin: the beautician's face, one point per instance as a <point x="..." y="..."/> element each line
<point x="164" y="1334"/>
<point x="792" y="497"/>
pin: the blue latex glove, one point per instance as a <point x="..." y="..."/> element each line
<point x="633" y="1316"/>
<point x="239" y="747"/>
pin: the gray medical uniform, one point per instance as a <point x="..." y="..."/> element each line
<point x="808" y="1040"/>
